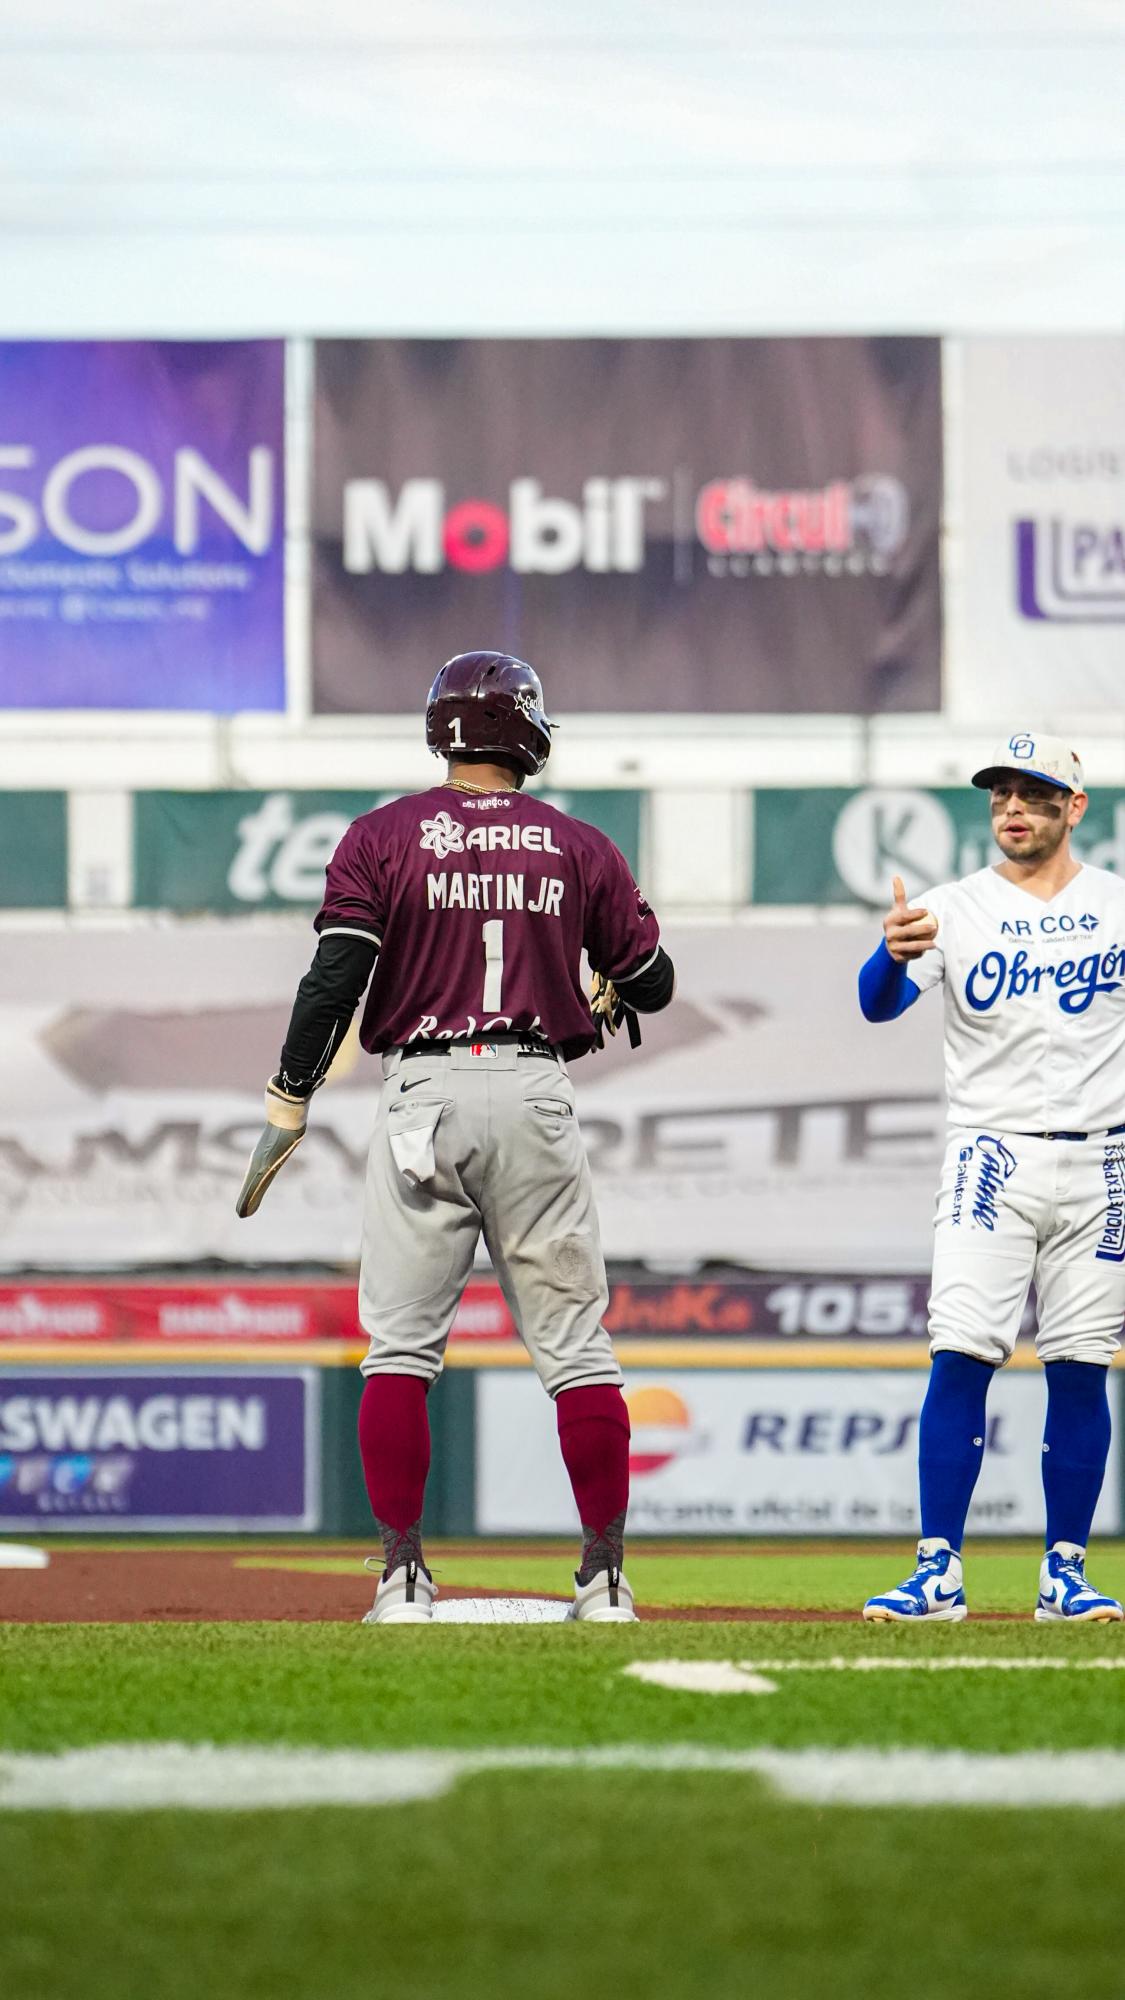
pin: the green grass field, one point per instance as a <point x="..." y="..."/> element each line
<point x="538" y="1847"/>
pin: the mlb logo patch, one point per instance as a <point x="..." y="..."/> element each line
<point x="483" y="1049"/>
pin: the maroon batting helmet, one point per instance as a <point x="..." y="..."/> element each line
<point x="489" y="705"/>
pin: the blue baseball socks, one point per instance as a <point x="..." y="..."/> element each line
<point x="951" y="1434"/>
<point x="1075" y="1448"/>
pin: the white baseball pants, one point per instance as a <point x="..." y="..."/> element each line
<point x="465" y="1144"/>
<point x="1013" y="1208"/>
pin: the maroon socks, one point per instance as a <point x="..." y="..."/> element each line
<point x="594" y="1436"/>
<point x="394" y="1445"/>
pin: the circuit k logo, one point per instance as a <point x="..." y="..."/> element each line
<point x="442" y="835"/>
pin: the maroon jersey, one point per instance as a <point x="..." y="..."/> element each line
<point x="481" y="907"/>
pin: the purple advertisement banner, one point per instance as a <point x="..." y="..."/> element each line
<point x="714" y="525"/>
<point x="142" y="525"/>
<point x="87" y="1449"/>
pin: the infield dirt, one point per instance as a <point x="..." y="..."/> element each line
<point x="168" y="1586"/>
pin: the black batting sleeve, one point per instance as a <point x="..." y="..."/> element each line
<point x="651" y="987"/>
<point x="327" y="998"/>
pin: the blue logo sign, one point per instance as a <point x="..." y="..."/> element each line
<point x="1071" y="572"/>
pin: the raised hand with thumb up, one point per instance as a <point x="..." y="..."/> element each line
<point x="908" y="932"/>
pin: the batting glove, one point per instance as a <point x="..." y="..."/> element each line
<point x="287" y="1118"/>
<point x="609" y="1010"/>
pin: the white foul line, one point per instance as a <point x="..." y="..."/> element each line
<point x="207" y="1778"/>
<point x="868" y="1663"/>
<point x="753" y="1676"/>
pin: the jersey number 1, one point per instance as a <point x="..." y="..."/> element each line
<point x="493" y="934"/>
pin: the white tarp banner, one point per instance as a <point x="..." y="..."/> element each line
<point x="1037" y="509"/>
<point x="762" y="1121"/>
<point x="764" y="1452"/>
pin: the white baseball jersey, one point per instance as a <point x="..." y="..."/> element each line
<point x="1034" y="1001"/>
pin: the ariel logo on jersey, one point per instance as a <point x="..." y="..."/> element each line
<point x="1111" y="1249"/>
<point x="442" y="835"/>
<point x="1077" y="981"/>
<point x="997" y="1165"/>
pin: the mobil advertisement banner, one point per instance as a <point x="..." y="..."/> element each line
<point x="764" y="1453"/>
<point x="142" y="525"/>
<point x="709" y="525"/>
<point x="269" y="850"/>
<point x="761" y="1122"/>
<point x="88" y="1449"/>
<point x="834" y="844"/>
<point x="1037" y="498"/>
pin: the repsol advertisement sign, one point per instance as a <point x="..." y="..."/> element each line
<point x="771" y="1453"/>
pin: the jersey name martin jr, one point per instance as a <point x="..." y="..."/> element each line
<point x="457" y="891"/>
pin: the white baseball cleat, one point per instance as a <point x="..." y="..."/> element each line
<point x="1065" y="1593"/>
<point x="935" y="1591"/>
<point x="406" y="1597"/>
<point x="605" y="1600"/>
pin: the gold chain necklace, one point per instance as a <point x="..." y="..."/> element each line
<point x="482" y="791"/>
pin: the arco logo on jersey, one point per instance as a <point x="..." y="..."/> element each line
<point x="1064" y="925"/>
<point x="995" y="979"/>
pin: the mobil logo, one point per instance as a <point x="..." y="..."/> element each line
<point x="419" y="529"/>
<point x="663" y="1430"/>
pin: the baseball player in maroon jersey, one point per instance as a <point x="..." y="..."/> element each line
<point x="468" y="907"/>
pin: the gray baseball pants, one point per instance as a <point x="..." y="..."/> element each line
<point x="466" y="1143"/>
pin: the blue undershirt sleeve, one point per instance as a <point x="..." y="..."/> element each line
<point x="885" y="991"/>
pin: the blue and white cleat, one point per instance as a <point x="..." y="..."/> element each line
<point x="1065" y="1593"/>
<point x="933" y="1592"/>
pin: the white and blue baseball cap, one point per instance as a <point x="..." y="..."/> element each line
<point x="1046" y="757"/>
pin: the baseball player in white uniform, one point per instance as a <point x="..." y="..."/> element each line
<point x="1031" y="956"/>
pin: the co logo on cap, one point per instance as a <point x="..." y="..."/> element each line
<point x="1022" y="746"/>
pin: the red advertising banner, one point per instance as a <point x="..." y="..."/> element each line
<point x="721" y="525"/>
<point x="244" y="1314"/>
<point x="252" y="1314"/>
